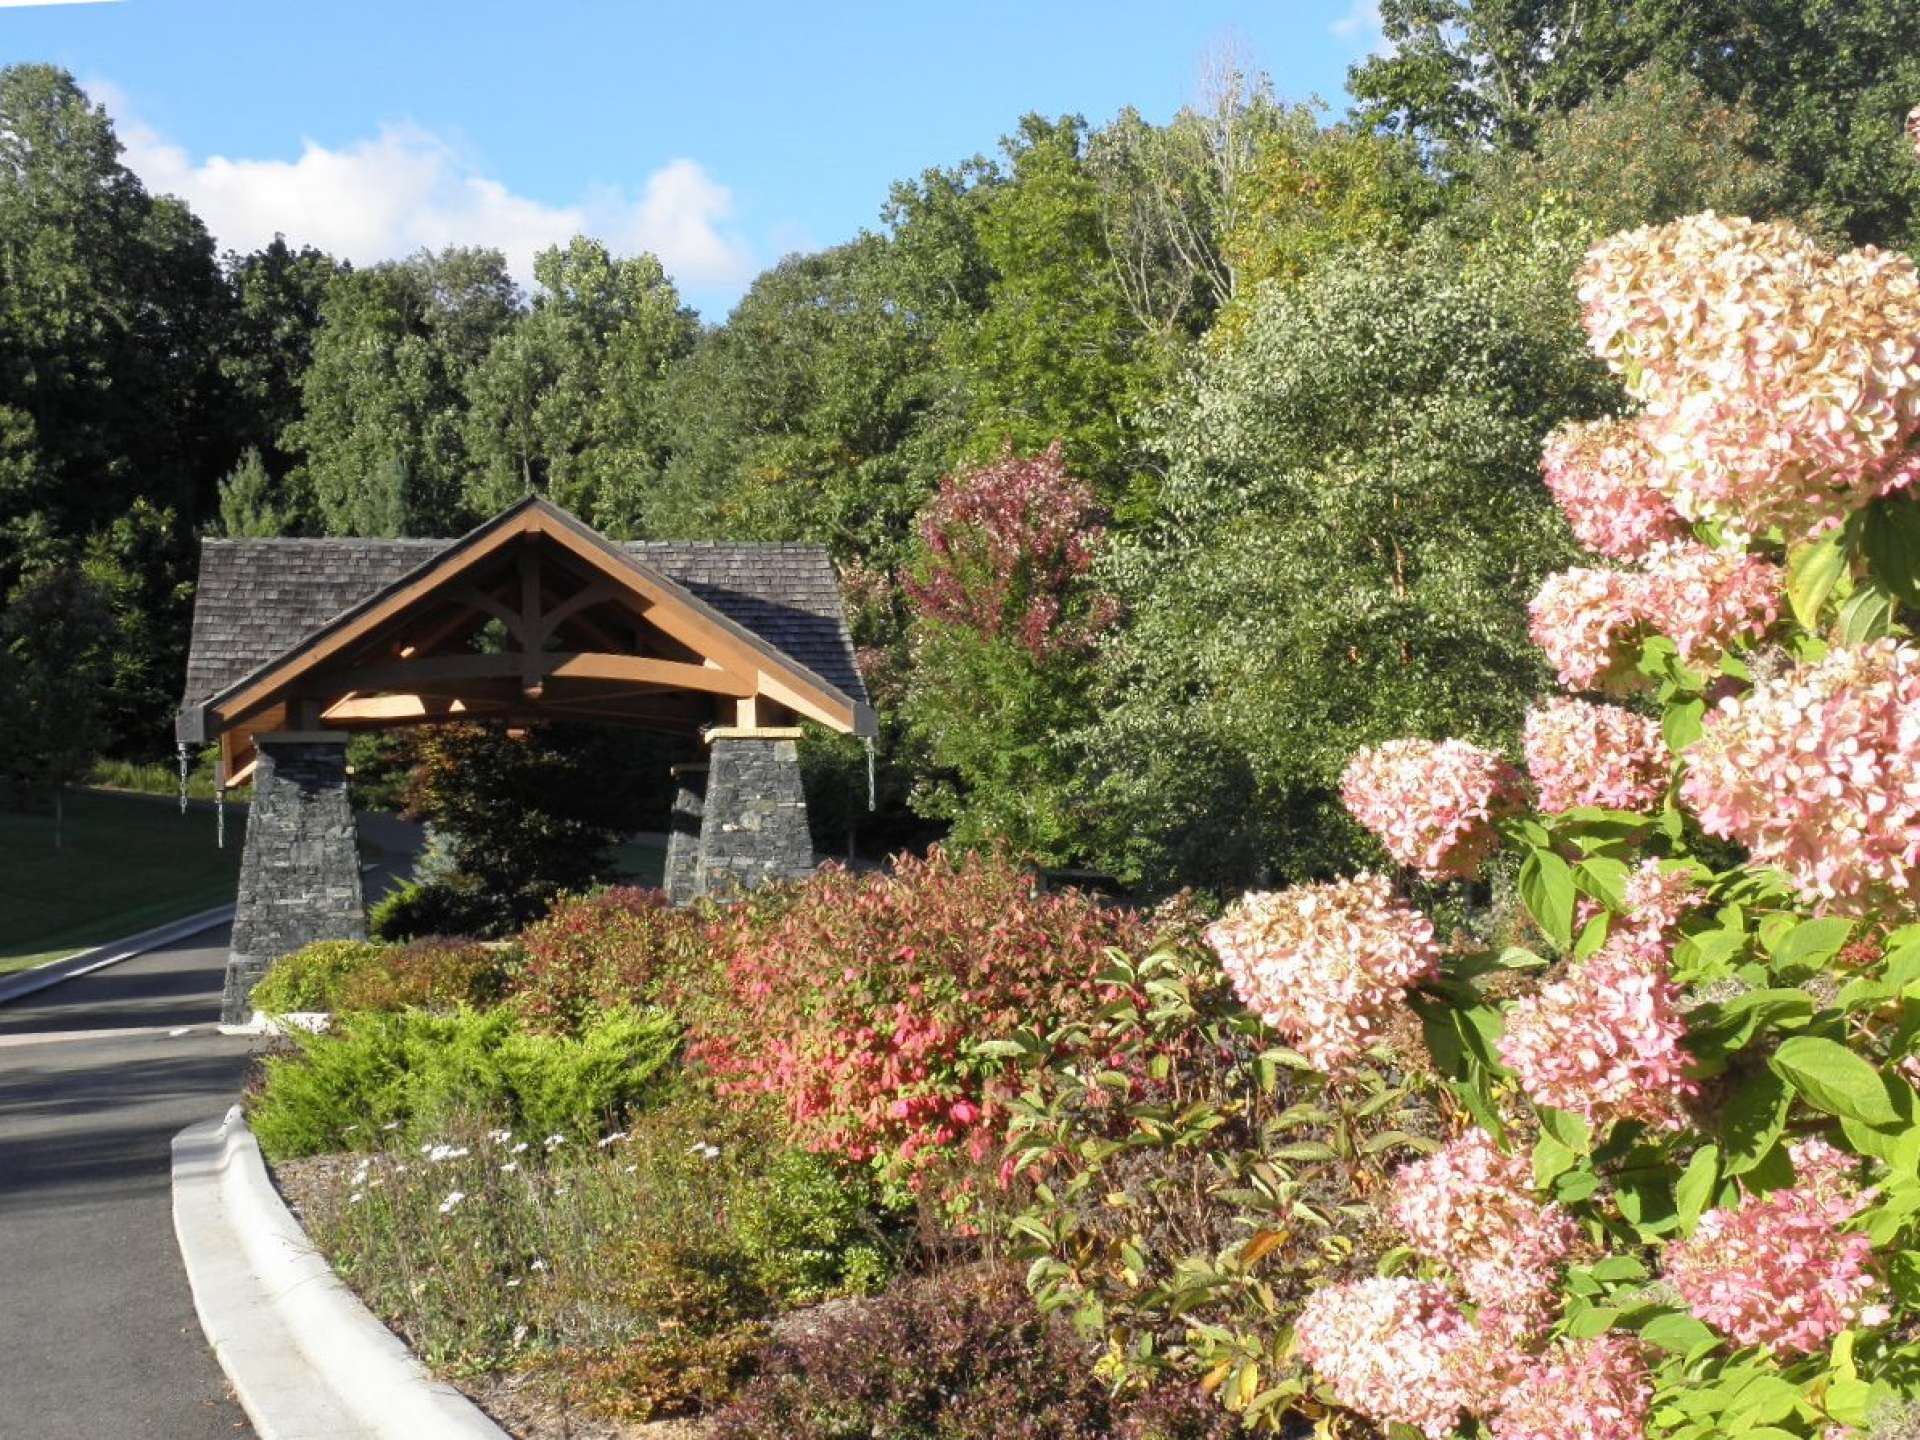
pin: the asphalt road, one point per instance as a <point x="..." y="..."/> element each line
<point x="98" y="1339"/>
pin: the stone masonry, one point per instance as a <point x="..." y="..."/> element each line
<point x="754" y="822"/>
<point x="683" y="833"/>
<point x="300" y="868"/>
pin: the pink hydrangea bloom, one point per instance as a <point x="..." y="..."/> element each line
<point x="1817" y="771"/>
<point x="1593" y="1389"/>
<point x="1604" y="1040"/>
<point x="1598" y="470"/>
<point x="1654" y="898"/>
<point x="1432" y="803"/>
<point x="1776" y="1270"/>
<point x="1781" y="383"/>
<point x="1473" y="1208"/>
<point x="1584" y="754"/>
<point x="1706" y="601"/>
<point x="1389" y="1348"/>
<point x="1587" y="623"/>
<point x="1324" y="964"/>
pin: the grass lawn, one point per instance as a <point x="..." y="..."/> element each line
<point x="128" y="864"/>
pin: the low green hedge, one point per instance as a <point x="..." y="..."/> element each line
<point x="418" y="1071"/>
<point x="436" y="973"/>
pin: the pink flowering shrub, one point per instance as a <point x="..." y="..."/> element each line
<point x="1433" y="805"/>
<point x="1593" y="1389"/>
<point x="1005" y="546"/>
<point x="1325" y="965"/>
<point x="1473" y="1208"/>
<point x="1588" y="623"/>
<point x="1389" y="1348"/>
<point x="1604" y="1041"/>
<point x="1777" y="1270"/>
<point x="1599" y="472"/>
<point x="849" y="1001"/>
<point x="1584" y="754"/>
<point x="1817" y="771"/>
<point x="1684" y="1197"/>
<point x="1780" y="384"/>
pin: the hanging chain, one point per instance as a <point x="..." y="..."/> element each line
<point x="183" y="777"/>
<point x="220" y="813"/>
<point x="869" y="774"/>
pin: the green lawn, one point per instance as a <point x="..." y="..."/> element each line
<point x="637" y="864"/>
<point x="128" y="864"/>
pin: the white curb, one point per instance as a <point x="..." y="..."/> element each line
<point x="52" y="972"/>
<point x="307" y="1360"/>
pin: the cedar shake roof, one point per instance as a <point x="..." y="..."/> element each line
<point x="257" y="599"/>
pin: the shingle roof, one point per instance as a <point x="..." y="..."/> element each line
<point x="259" y="598"/>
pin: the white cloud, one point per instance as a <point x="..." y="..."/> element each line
<point x="406" y="187"/>
<point x="1361" y="23"/>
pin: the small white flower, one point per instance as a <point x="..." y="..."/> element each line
<point x="427" y="1149"/>
<point x="520" y="1149"/>
<point x="355" y="1198"/>
<point x="452" y="1202"/>
<point x="509" y="1167"/>
<point x="632" y="1168"/>
<point x="513" y="1284"/>
<point x="499" y="1137"/>
<point x="391" y="1125"/>
<point x="612" y="1139"/>
<point x="703" y="1150"/>
<point x="554" y="1142"/>
<point x="539" y="1265"/>
<point x="442" y="1153"/>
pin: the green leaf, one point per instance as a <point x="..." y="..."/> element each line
<point x="1695" y="1186"/>
<point x="1813" y="569"/>
<point x="1681" y="725"/>
<point x="1677" y="1332"/>
<point x="1867" y="616"/>
<point x="1812" y="943"/>
<point x="1832" y="1078"/>
<point x="1569" y="1129"/>
<point x="1891" y="540"/>
<point x="1546" y="888"/>
<point x="1750" y="1124"/>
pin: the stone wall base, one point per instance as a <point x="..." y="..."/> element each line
<point x="300" y="867"/>
<point x="753" y="826"/>
<point x="682" y="880"/>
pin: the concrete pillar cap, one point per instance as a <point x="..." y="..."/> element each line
<point x="754" y="732"/>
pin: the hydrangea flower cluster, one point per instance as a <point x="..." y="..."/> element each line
<point x="1597" y="471"/>
<point x="1433" y="803"/>
<point x="1776" y="1270"/>
<point x="1473" y="1208"/>
<point x="1654" y="898"/>
<point x="1584" y="754"/>
<point x="1706" y="600"/>
<point x="1817" y="771"/>
<point x="1389" y="1348"/>
<point x="1592" y="1389"/>
<point x="1603" y="1041"/>
<point x="1781" y="384"/>
<point x="1324" y="964"/>
<point x="1587" y="622"/>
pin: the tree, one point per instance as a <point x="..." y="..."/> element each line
<point x="248" y="507"/>
<point x="110" y="311"/>
<point x="385" y="393"/>
<point x="1343" y="550"/>
<point x="55" y="664"/>
<point x="1829" y="80"/>
<point x="569" y="401"/>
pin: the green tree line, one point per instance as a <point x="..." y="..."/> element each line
<point x="1288" y="354"/>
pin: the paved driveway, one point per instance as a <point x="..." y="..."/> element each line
<point x="100" y="1338"/>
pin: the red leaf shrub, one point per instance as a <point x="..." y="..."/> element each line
<point x="436" y="972"/>
<point x="852" y="1003"/>
<point x="594" y="951"/>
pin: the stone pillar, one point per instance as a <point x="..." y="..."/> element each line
<point x="753" y="827"/>
<point x="300" y="868"/>
<point x="683" y="833"/>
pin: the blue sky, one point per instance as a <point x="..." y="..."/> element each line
<point x="718" y="135"/>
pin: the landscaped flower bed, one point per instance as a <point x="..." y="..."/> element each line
<point x="1633" y="1153"/>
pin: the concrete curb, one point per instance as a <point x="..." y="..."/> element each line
<point x="52" y="972"/>
<point x="307" y="1360"/>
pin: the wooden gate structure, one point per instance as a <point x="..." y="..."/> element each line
<point x="533" y="616"/>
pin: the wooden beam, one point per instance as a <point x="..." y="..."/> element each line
<point x="479" y="599"/>
<point x="597" y="593"/>
<point x="408" y="676"/>
<point x="396" y="707"/>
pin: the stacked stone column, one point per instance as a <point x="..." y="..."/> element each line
<point x="300" y="867"/>
<point x="683" y="832"/>
<point x="753" y="823"/>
